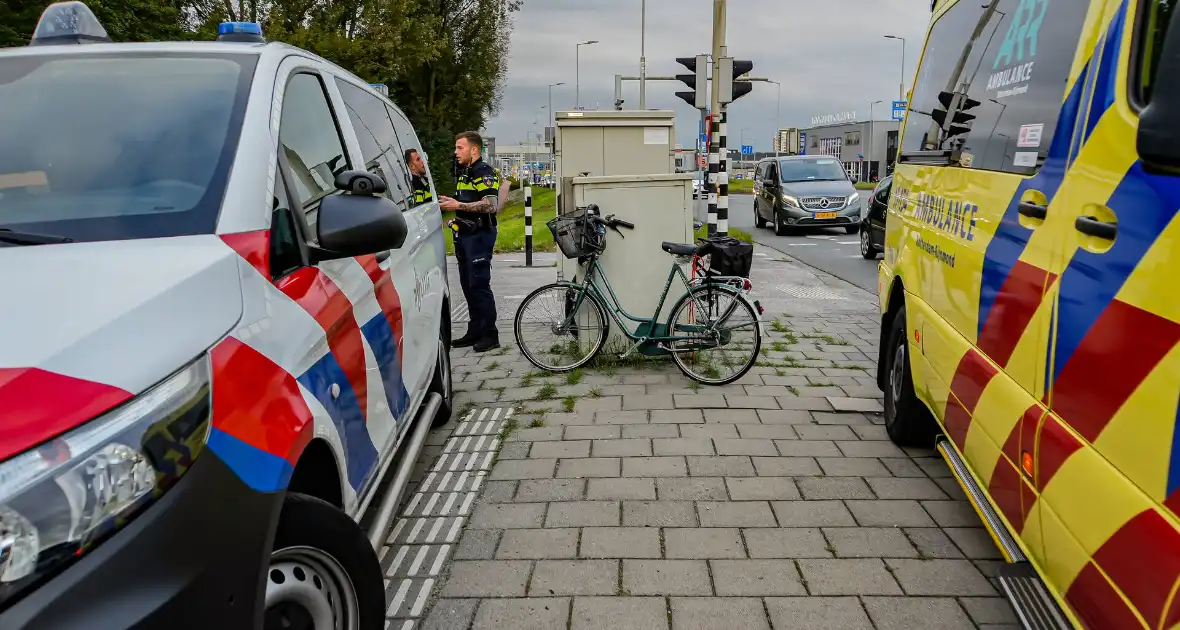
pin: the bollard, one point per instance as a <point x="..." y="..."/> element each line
<point x="528" y="226"/>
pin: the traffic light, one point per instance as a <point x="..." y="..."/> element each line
<point x="698" y="81"/>
<point x="960" y="121"/>
<point x="731" y="69"/>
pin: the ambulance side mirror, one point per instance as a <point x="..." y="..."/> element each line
<point x="1158" y="141"/>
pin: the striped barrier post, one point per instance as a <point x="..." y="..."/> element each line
<point x="528" y="226"/>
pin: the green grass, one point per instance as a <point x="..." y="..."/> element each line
<point x="864" y="185"/>
<point x="511" y="224"/>
<point x="734" y="232"/>
<point x="741" y="186"/>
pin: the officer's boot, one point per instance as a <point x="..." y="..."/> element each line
<point x="467" y="340"/>
<point x="490" y="341"/>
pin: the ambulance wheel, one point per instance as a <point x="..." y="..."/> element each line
<point x="907" y="420"/>
<point x="442" y="383"/>
<point x="323" y="573"/>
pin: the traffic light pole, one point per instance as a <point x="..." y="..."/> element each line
<point x="718" y="183"/>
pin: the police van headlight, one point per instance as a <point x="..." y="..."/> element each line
<point x="791" y="201"/>
<point x="853" y="198"/>
<point x="62" y="498"/>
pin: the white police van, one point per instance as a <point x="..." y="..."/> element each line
<point x="223" y="333"/>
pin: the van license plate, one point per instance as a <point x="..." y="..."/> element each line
<point x="825" y="215"/>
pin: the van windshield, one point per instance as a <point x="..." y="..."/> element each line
<point x="118" y="146"/>
<point x="811" y="171"/>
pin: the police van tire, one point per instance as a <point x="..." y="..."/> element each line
<point x="852" y="229"/>
<point x="759" y="222"/>
<point x="321" y="558"/>
<point x="907" y="420"/>
<point x="442" y="383"/>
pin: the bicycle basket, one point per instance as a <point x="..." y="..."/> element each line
<point x="574" y="235"/>
<point x="729" y="256"/>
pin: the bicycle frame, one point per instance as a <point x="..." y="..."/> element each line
<point x="593" y="271"/>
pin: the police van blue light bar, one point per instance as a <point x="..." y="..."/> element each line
<point x="240" y="32"/>
<point x="68" y="23"/>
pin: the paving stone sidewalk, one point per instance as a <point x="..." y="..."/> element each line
<point x="627" y="498"/>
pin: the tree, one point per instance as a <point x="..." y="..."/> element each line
<point x="443" y="60"/>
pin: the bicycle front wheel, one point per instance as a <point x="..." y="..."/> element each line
<point x="717" y="333"/>
<point x="560" y="327"/>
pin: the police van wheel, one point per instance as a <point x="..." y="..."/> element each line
<point x="323" y="573"/>
<point x="759" y="222"/>
<point x="907" y="420"/>
<point x="442" y="383"/>
<point x="852" y="229"/>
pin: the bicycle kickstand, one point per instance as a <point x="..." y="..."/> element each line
<point x="633" y="347"/>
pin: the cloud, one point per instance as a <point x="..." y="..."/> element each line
<point x="830" y="56"/>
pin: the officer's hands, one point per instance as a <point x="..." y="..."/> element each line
<point x="446" y="203"/>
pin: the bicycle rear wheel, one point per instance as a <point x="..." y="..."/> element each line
<point x="560" y="327"/>
<point x="721" y="332"/>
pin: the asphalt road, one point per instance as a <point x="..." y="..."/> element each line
<point x="830" y="250"/>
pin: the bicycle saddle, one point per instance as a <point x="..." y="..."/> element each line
<point x="679" y="249"/>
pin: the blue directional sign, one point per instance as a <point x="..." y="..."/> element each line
<point x="802" y="143"/>
<point x="747" y="149"/>
<point x="899" y="109"/>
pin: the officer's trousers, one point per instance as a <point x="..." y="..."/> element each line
<point x="473" y="251"/>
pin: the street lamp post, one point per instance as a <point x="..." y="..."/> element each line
<point x="778" y="119"/>
<point x="578" y="72"/>
<point x="872" y="138"/>
<point x="553" y="119"/>
<point x="900" y="86"/>
<point x="643" y="56"/>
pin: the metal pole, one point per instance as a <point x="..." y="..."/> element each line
<point x="528" y="225"/>
<point x="578" y="76"/>
<point x="715" y="186"/>
<point x="643" y="58"/>
<point x="901" y="86"/>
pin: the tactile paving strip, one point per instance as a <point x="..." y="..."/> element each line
<point x="423" y="538"/>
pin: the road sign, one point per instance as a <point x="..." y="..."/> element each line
<point x="747" y="149"/>
<point x="802" y="143"/>
<point x="899" y="109"/>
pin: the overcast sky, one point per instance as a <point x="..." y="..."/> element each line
<point x="830" y="55"/>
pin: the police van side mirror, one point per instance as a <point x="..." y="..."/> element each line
<point x="1158" y="141"/>
<point x="359" y="223"/>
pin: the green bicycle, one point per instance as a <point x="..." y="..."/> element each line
<point x="713" y="333"/>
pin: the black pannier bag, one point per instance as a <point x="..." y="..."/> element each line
<point x="729" y="256"/>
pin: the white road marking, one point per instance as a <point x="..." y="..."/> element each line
<point x="421" y="601"/>
<point x="414" y="532"/>
<point x="398" y="598"/>
<point x="454" y="530"/>
<point x="418" y="559"/>
<point x="413" y="504"/>
<point x="434" y="530"/>
<point x="397" y="529"/>
<point x="446" y="508"/>
<point x="430" y="504"/>
<point x="439" y="559"/>
<point x="467" y="503"/>
<point x="397" y="561"/>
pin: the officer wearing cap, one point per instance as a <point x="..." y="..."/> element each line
<point x="476" y="202"/>
<point x="421" y="186"/>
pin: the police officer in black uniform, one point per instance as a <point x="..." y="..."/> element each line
<point x="418" y="180"/>
<point x="476" y="202"/>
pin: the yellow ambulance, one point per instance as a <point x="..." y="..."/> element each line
<point x="1030" y="295"/>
